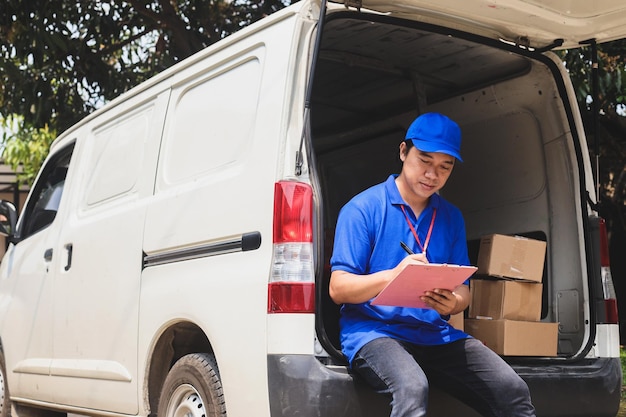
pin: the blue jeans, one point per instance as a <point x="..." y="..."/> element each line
<point x="466" y="369"/>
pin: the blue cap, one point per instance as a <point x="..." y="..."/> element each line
<point x="434" y="132"/>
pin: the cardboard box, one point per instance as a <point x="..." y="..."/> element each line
<point x="457" y="321"/>
<point x="515" y="338"/>
<point x="512" y="257"/>
<point x="505" y="299"/>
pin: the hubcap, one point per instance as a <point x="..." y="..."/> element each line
<point x="186" y="402"/>
<point x="2" y="393"/>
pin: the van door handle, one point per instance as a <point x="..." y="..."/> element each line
<point x="47" y="255"/>
<point x="69" y="247"/>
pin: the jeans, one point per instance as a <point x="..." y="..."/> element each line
<point x="466" y="369"/>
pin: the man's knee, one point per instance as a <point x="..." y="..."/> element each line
<point x="517" y="386"/>
<point x="416" y="388"/>
<point x="515" y="398"/>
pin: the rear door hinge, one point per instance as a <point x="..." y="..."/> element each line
<point x="357" y="4"/>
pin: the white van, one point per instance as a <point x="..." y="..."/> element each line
<point x="172" y="257"/>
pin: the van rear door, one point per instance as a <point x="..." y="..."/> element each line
<point x="532" y="23"/>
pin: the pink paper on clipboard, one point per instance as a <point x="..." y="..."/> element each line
<point x="405" y="289"/>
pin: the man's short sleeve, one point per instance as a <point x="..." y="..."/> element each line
<point x="353" y="244"/>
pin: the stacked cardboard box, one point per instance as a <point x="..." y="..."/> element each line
<point x="457" y="321"/>
<point x="505" y="306"/>
<point x="511" y="257"/>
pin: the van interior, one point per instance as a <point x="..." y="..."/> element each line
<point x="521" y="171"/>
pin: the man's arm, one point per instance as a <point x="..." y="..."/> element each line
<point x="349" y="288"/>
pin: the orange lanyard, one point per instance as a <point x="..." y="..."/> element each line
<point x="430" y="229"/>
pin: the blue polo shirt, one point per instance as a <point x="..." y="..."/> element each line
<point x="367" y="240"/>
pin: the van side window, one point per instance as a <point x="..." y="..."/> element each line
<point x="117" y="149"/>
<point x="211" y="126"/>
<point x="44" y="203"/>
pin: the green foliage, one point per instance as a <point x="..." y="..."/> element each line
<point x="611" y="68"/>
<point x="61" y="60"/>
<point x="25" y="147"/>
<point x="609" y="138"/>
<point x="622" y="355"/>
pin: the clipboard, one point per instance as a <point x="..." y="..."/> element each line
<point x="414" y="280"/>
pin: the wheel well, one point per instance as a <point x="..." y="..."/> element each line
<point x="177" y="341"/>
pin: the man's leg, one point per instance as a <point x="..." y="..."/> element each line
<point x="386" y="364"/>
<point x="472" y="372"/>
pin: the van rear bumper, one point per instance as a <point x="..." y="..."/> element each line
<point x="590" y="387"/>
<point x="300" y="385"/>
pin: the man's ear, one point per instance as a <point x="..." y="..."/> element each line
<point x="403" y="151"/>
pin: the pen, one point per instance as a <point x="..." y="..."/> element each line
<point x="406" y="248"/>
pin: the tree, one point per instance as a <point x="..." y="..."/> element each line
<point x="610" y="107"/>
<point x="60" y="60"/>
<point x="27" y="147"/>
<point x="610" y="139"/>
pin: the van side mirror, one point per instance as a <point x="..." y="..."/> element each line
<point x="8" y="218"/>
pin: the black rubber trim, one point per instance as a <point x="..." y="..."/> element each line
<point x="245" y="242"/>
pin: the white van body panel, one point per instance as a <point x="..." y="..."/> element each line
<point x="73" y="374"/>
<point x="32" y="356"/>
<point x="199" y="180"/>
<point x="96" y="349"/>
<point x="89" y="349"/>
<point x="607" y="342"/>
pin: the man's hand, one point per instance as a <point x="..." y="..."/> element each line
<point x="447" y="302"/>
<point x="413" y="259"/>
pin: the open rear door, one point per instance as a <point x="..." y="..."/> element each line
<point x="533" y="23"/>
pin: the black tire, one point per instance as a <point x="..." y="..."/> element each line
<point x="192" y="388"/>
<point x="5" y="401"/>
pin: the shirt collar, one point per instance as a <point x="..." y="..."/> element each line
<point x="396" y="199"/>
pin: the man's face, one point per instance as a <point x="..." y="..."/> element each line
<point x="425" y="173"/>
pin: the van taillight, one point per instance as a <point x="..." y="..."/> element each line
<point x="608" y="291"/>
<point x="291" y="286"/>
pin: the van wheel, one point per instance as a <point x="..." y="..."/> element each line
<point x="5" y="402"/>
<point x="192" y="389"/>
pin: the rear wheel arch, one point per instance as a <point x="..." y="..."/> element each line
<point x="177" y="341"/>
<point x="193" y="388"/>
